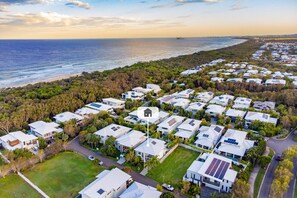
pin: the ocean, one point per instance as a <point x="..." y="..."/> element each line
<point x="30" y="61"/>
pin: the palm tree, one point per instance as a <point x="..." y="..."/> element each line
<point x="152" y="162"/>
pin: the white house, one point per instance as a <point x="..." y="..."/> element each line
<point x="180" y="102"/>
<point x="263" y="117"/>
<point x="215" y="110"/>
<point x="167" y="99"/>
<point x="108" y="184"/>
<point x="275" y="82"/>
<point x="223" y="100"/>
<point x="208" y="136"/>
<point x="234" y="144"/>
<point x="129" y="140"/>
<point x="138" y="190"/>
<point x="187" y="129"/>
<point x="18" y="140"/>
<point x="133" y="118"/>
<point x="217" y="79"/>
<point x="213" y="171"/>
<point x="234" y="80"/>
<point x="204" y="96"/>
<point x="114" y="103"/>
<point x="142" y="90"/>
<point x="170" y="124"/>
<point x="262" y="106"/>
<point x="234" y="113"/>
<point x="133" y="95"/>
<point x="112" y="130"/>
<point x="45" y="130"/>
<point x="85" y="111"/>
<point x="151" y="147"/>
<point x="185" y="93"/>
<point x="194" y="107"/>
<point x="100" y="106"/>
<point x="67" y="116"/>
<point x="254" y="80"/>
<point x="242" y="103"/>
<point x="154" y="87"/>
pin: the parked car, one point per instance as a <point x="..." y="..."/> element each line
<point x="92" y="158"/>
<point x="100" y="163"/>
<point x="168" y="187"/>
<point x="279" y="158"/>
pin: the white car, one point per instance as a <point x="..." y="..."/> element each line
<point x="168" y="187"/>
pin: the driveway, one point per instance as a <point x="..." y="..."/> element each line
<point x="75" y="146"/>
<point x="279" y="146"/>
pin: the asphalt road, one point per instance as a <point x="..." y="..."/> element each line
<point x="279" y="146"/>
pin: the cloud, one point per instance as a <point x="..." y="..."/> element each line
<point x="237" y="6"/>
<point x="74" y="3"/>
<point x="53" y="19"/>
<point x="197" y="1"/>
<point x="78" y="4"/>
<point x="3" y="7"/>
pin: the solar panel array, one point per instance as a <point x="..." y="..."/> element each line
<point x="217" y="129"/>
<point x="217" y="168"/>
<point x="95" y="105"/>
<point x="231" y="141"/>
<point x="192" y="123"/>
<point x="171" y="122"/>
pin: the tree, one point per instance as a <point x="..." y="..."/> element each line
<point x="70" y="128"/>
<point x="186" y="187"/>
<point x="159" y="188"/>
<point x="240" y="189"/>
<point x="129" y="155"/>
<point x="42" y="143"/>
<point x="264" y="161"/>
<point x="40" y="155"/>
<point x="167" y="195"/>
<point x="152" y="162"/>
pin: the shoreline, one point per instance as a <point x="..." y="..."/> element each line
<point x="67" y="76"/>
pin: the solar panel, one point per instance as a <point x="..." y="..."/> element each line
<point x="217" y="129"/>
<point x="171" y="122"/>
<point x="231" y="141"/>
<point x="95" y="105"/>
<point x="213" y="171"/>
<point x="100" y="191"/>
<point x="205" y="135"/>
<point x="220" y="169"/>
<point x="154" y="143"/>
<point x="211" y="165"/>
<point x="265" y="116"/>
<point x="224" y="170"/>
<point x="192" y="123"/>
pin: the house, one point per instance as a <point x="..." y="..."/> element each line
<point x="234" y="80"/>
<point x="180" y="102"/>
<point x="98" y="106"/>
<point x="112" y="130"/>
<point x="208" y="136"/>
<point x="108" y="184"/>
<point x="133" y="95"/>
<point x="114" y="103"/>
<point x="234" y="144"/>
<point x="151" y="147"/>
<point x="129" y="140"/>
<point x="85" y="111"/>
<point x="18" y="140"/>
<point x="138" y="190"/>
<point x="242" y="103"/>
<point x="194" y="107"/>
<point x="263" y="117"/>
<point x="45" y="130"/>
<point x="142" y="90"/>
<point x="170" y="124"/>
<point x="263" y="106"/>
<point x="204" y="96"/>
<point x="133" y="118"/>
<point x="156" y="88"/>
<point x="223" y="100"/>
<point x="67" y="116"/>
<point x="275" y="82"/>
<point x="215" y="110"/>
<point x="254" y="80"/>
<point x="213" y="171"/>
<point x="187" y="129"/>
<point x="166" y="99"/>
<point x="217" y="79"/>
<point x="185" y="93"/>
<point x="234" y="114"/>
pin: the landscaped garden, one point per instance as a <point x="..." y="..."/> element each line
<point x="64" y="175"/>
<point x="174" y="167"/>
<point x="15" y="187"/>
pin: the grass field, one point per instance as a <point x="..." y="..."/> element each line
<point x="64" y="175"/>
<point x="258" y="182"/>
<point x="13" y="186"/>
<point x="174" y="166"/>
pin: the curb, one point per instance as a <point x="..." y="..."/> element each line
<point x="265" y="174"/>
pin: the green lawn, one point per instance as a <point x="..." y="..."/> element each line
<point x="258" y="182"/>
<point x="174" y="166"/>
<point x="14" y="186"/>
<point x="64" y="175"/>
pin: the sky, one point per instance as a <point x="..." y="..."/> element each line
<point x="59" y="19"/>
